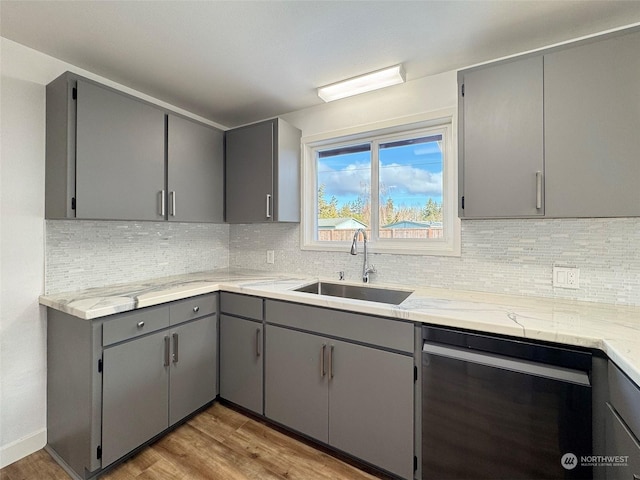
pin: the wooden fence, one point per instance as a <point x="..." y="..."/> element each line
<point x="411" y="233"/>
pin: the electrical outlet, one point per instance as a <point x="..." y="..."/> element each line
<point x="566" y="277"/>
<point x="271" y="256"/>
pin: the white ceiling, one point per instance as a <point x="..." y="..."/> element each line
<point x="235" y="62"/>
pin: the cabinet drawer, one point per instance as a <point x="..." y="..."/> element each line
<point x="379" y="331"/>
<point x="133" y="324"/>
<point x="625" y="398"/>
<point x="241" y="305"/>
<point x="194" y="307"/>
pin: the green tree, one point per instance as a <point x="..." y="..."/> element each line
<point x="326" y="209"/>
<point x="432" y="211"/>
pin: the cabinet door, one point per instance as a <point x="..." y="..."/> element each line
<point x="249" y="173"/>
<point x="371" y="406"/>
<point x="241" y="354"/>
<point x="135" y="388"/>
<point x="621" y="442"/>
<point x="195" y="171"/>
<point x="592" y="120"/>
<point x="296" y="393"/>
<point x="501" y="154"/>
<point x="193" y="367"/>
<point x="119" y="156"/>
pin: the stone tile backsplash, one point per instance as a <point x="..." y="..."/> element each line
<point x="498" y="256"/>
<point x="83" y="254"/>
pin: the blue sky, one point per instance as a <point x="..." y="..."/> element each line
<point x="410" y="174"/>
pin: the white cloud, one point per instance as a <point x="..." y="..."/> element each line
<point x="353" y="180"/>
<point x="411" y="180"/>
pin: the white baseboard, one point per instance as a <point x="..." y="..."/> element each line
<point x="23" y="447"/>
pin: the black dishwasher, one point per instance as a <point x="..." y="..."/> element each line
<point x="496" y="408"/>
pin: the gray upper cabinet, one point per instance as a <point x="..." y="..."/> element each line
<point x="501" y="140"/>
<point x="195" y="171"/>
<point x="592" y="120"/>
<point x="553" y="134"/>
<point x="119" y="156"/>
<point x="263" y="173"/>
<point x="111" y="156"/>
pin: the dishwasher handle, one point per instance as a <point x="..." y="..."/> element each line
<point x="561" y="374"/>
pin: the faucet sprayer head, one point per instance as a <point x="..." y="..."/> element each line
<point x="354" y="245"/>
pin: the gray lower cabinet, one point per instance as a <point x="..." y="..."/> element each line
<point x="622" y="426"/>
<point x="116" y="382"/>
<point x="355" y="398"/>
<point x="501" y="144"/>
<point x="242" y="350"/>
<point x="621" y="443"/>
<point x="262" y="164"/>
<point x="153" y="382"/>
<point x="241" y="362"/>
<point x="135" y="397"/>
<point x="296" y="386"/>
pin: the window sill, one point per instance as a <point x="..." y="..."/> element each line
<point x="440" y="249"/>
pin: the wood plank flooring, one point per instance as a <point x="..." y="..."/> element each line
<point x="219" y="443"/>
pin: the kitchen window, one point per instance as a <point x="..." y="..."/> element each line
<point x="397" y="183"/>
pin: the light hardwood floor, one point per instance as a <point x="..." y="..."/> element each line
<point x="219" y="443"/>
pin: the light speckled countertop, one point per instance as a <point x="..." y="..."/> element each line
<point x="613" y="329"/>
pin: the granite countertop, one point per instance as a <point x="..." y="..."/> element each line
<point x="613" y="329"/>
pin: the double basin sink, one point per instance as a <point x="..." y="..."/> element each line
<point x="357" y="292"/>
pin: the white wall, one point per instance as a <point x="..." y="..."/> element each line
<point x="22" y="320"/>
<point x="24" y="75"/>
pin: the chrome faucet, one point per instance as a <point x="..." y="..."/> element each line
<point x="366" y="268"/>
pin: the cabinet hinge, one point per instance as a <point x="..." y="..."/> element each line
<point x="99" y="452"/>
<point x="415" y="463"/>
<point x="463" y="202"/>
<point x="74" y="93"/>
<point x="463" y="89"/>
<point x="73" y="203"/>
<point x="100" y="366"/>
<point x="415" y="373"/>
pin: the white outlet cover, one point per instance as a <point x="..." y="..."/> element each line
<point x="566" y="277"/>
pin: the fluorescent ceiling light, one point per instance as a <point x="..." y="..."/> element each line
<point x="364" y="83"/>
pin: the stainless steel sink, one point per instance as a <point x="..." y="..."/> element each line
<point x="357" y="292"/>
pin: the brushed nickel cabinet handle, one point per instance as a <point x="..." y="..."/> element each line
<point x="538" y="190"/>
<point x="161" y="202"/>
<point x="268" y="205"/>
<point x="331" y="361"/>
<point x="140" y="324"/>
<point x="175" y="348"/>
<point x="196" y="309"/>
<point x="173" y="203"/>
<point x="167" y="347"/>
<point x="322" y="355"/>
<point x="258" y="342"/>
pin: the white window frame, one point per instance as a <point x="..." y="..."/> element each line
<point x="442" y="121"/>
